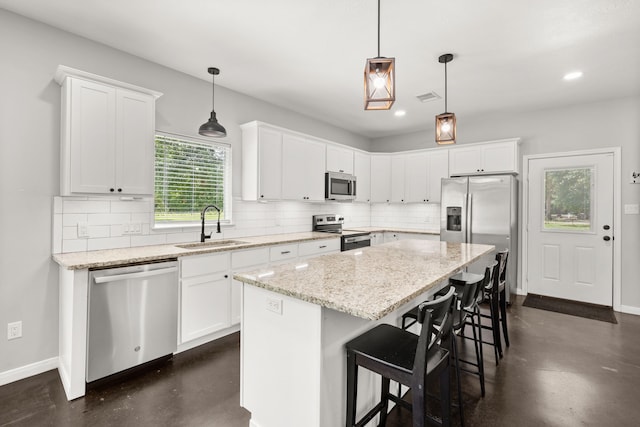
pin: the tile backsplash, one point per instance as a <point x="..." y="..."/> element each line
<point x="94" y="223"/>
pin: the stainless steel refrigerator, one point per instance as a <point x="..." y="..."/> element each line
<point x="483" y="209"/>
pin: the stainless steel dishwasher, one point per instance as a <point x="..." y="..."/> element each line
<point x="133" y="317"/>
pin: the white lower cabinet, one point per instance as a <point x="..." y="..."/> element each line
<point x="205" y="292"/>
<point x="283" y="253"/>
<point x="377" y="238"/>
<point x="251" y="259"/>
<point x="209" y="297"/>
<point x="315" y="248"/>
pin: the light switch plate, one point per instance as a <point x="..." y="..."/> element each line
<point x="633" y="209"/>
<point x="83" y="230"/>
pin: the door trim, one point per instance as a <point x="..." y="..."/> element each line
<point x="617" y="216"/>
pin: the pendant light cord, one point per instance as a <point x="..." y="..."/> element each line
<point x="445" y="88"/>
<point x="378" y="28"/>
<point x="213" y="91"/>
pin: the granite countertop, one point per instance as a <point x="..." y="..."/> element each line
<point x="116" y="257"/>
<point x="369" y="282"/>
<point x="392" y="230"/>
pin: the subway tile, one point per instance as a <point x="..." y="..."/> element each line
<point x="99" y="231"/>
<point x="69" y="220"/>
<point x="81" y="206"/>
<point x="158" y="239"/>
<point x="108" y="218"/>
<point x="75" y="245"/>
<point x="69" y="233"/>
<point x="132" y="206"/>
<point x="109" y="243"/>
<point x="117" y="230"/>
<point x="56" y="235"/>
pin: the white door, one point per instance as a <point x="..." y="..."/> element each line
<point x="570" y="228"/>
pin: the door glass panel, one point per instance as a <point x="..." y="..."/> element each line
<point x="567" y="199"/>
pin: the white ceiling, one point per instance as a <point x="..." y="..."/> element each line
<point x="309" y="55"/>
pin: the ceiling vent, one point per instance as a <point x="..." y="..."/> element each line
<point x="427" y="97"/>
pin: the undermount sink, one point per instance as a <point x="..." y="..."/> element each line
<point x="211" y="244"/>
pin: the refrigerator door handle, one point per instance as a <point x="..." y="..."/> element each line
<point x="469" y="216"/>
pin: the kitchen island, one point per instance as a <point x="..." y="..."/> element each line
<point x="297" y="317"/>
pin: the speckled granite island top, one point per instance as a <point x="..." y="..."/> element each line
<point x="116" y="257"/>
<point x="369" y="282"/>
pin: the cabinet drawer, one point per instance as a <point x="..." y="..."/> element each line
<point x="284" y="252"/>
<point x="242" y="259"/>
<point x="318" y="247"/>
<point x="204" y="264"/>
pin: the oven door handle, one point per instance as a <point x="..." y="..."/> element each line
<point x="357" y="239"/>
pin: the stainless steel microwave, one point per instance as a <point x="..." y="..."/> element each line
<point x="339" y="186"/>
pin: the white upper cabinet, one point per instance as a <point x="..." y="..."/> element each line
<point x="339" y="159"/>
<point x="261" y="162"/>
<point x="437" y="168"/>
<point x="380" y="178"/>
<point x="107" y="135"/>
<point x="415" y="177"/>
<point x="362" y="171"/>
<point x="398" y="178"/>
<point x="303" y="168"/>
<point x="492" y="157"/>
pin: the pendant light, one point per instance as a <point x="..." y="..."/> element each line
<point x="379" y="80"/>
<point x="212" y="127"/>
<point x="445" y="122"/>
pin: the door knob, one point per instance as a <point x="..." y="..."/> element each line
<point x="606" y="238"/>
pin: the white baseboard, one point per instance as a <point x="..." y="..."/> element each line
<point x="27" y="371"/>
<point x="630" y="310"/>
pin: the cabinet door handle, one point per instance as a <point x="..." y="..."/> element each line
<point x="119" y="190"/>
<point x="112" y="189"/>
<point x="226" y="276"/>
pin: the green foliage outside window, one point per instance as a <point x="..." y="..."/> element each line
<point x="189" y="175"/>
<point x="568" y="199"/>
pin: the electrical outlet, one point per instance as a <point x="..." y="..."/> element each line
<point x="14" y="330"/>
<point x="132" y="228"/>
<point x="83" y="230"/>
<point x="274" y="305"/>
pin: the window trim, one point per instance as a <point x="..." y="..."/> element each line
<point x="228" y="190"/>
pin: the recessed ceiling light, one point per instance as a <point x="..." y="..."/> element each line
<point x="400" y="113"/>
<point x="573" y="75"/>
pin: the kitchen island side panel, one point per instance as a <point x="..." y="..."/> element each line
<point x="281" y="359"/>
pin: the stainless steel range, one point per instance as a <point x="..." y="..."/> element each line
<point x="332" y="223"/>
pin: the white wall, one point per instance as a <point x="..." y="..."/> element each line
<point x="29" y="158"/>
<point x="614" y="123"/>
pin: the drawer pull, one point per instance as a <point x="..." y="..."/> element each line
<point x="285" y="252"/>
<point x="323" y="246"/>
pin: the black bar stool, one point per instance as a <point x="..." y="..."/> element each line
<point x="406" y="358"/>
<point x="502" y="257"/>
<point x="472" y="286"/>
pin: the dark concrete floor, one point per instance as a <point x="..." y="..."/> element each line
<point x="559" y="371"/>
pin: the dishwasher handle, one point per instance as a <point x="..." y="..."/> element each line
<point x="137" y="275"/>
